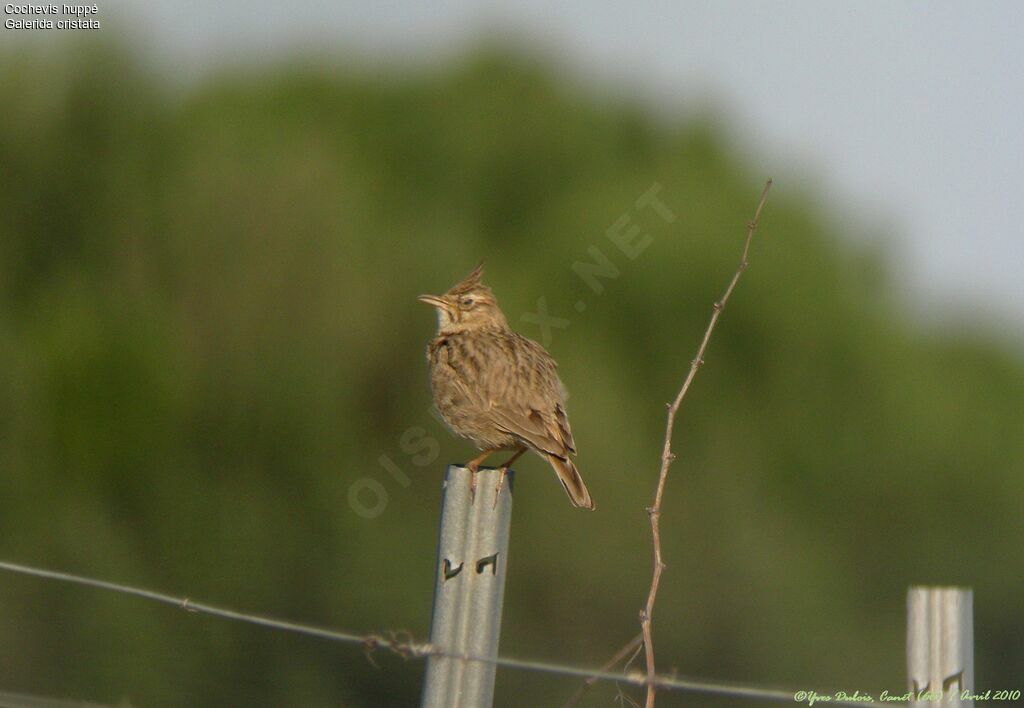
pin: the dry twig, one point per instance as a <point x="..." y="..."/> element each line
<point x="634" y="645"/>
<point x="667" y="456"/>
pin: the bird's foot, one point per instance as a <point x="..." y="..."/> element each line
<point x="473" y="469"/>
<point x="502" y="471"/>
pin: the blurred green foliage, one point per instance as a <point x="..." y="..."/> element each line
<point x="209" y="332"/>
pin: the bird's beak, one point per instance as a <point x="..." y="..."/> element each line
<point x="433" y="300"/>
<point x="442" y="303"/>
<point x="439" y="302"/>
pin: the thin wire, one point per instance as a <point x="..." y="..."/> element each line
<point x="186" y="604"/>
<point x="410" y="649"/>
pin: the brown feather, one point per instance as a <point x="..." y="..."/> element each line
<point x="570" y="478"/>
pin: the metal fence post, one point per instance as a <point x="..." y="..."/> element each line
<point x="472" y="558"/>
<point x="940" y="645"/>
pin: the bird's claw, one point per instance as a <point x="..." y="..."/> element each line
<point x="497" y="488"/>
<point x="472" y="484"/>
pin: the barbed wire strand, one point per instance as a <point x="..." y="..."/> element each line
<point x="411" y="649"/>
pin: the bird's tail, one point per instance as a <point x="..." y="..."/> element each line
<point x="570" y="478"/>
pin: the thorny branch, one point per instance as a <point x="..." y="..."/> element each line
<point x="633" y="646"/>
<point x="667" y="456"/>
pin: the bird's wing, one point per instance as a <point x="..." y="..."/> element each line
<point x="532" y="427"/>
<point x="532" y="404"/>
<point x="562" y="419"/>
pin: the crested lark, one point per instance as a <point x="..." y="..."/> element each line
<point x="497" y="388"/>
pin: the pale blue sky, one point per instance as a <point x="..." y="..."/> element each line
<point x="908" y="116"/>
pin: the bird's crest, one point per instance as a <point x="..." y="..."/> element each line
<point x="470" y="282"/>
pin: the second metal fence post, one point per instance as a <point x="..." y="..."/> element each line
<point x="472" y="558"/>
<point x="940" y="645"/>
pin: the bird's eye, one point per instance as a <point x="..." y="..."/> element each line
<point x="468" y="302"/>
